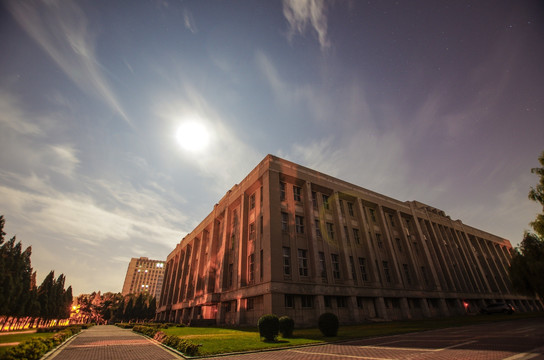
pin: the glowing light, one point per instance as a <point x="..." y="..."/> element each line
<point x="193" y="136"/>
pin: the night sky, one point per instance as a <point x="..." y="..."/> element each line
<point x="436" y="101"/>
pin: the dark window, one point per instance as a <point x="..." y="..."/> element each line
<point x="302" y="262"/>
<point x="251" y="267"/>
<point x="399" y="244"/>
<point x="327" y="301"/>
<point x="318" y="229"/>
<point x="322" y="266"/>
<point x="314" y="200"/>
<point x="353" y="272"/>
<point x="252" y="231"/>
<point x="350" y="209"/>
<point x="407" y="273"/>
<point x="362" y="268"/>
<point x="297" y="193"/>
<point x="386" y="271"/>
<point x="299" y="224"/>
<point x="286" y="261"/>
<point x="284" y="222"/>
<point x="250" y="303"/>
<point x="307" y="301"/>
<point x="289" y="301"/>
<point x="347" y="233"/>
<point x="335" y="266"/>
<point x="372" y="215"/>
<point x="325" y="201"/>
<point x="252" y="202"/>
<point x="356" y="236"/>
<point x="341" y="301"/>
<point x="330" y="231"/>
<point x="282" y="191"/>
<point x="379" y="240"/>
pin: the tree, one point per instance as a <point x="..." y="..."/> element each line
<point x="527" y="265"/>
<point x="537" y="194"/>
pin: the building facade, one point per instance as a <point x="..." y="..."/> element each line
<point x="144" y="276"/>
<point x="292" y="241"/>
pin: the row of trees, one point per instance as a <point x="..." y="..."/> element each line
<point x="527" y="266"/>
<point x="114" y="307"/>
<point x="21" y="302"/>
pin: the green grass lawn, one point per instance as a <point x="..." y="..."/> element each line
<point x="15" y="337"/>
<point x="225" y="340"/>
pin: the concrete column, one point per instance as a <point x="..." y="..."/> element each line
<point x="381" y="311"/>
<point x="405" y="309"/>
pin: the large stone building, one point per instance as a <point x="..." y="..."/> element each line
<point x="292" y="241"/>
<point x="144" y="276"/>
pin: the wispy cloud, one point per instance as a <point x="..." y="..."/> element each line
<point x="189" y="21"/>
<point x="61" y="29"/>
<point x="303" y="13"/>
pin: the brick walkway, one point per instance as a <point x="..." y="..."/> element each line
<point x="108" y="342"/>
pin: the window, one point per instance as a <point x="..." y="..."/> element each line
<point x="350" y="209"/>
<point x="356" y="236"/>
<point x="359" y="302"/>
<point x="317" y="229"/>
<point x="314" y="200"/>
<point x="424" y="273"/>
<point x="379" y="240"/>
<point x="353" y="273"/>
<point x="341" y="301"/>
<point x="330" y="231"/>
<point x="307" y="301"/>
<point x="252" y="231"/>
<point x="362" y="268"/>
<point x="302" y="262"/>
<point x="392" y="220"/>
<point x="372" y="215"/>
<point x="322" y="266"/>
<point x="299" y="224"/>
<point x="250" y="303"/>
<point x="297" y="193"/>
<point x="252" y="202"/>
<point x="341" y="207"/>
<point x="325" y="201"/>
<point x="289" y="301"/>
<point x="386" y="271"/>
<point x="399" y="244"/>
<point x="282" y="191"/>
<point x="251" y="267"/>
<point x="335" y="266"/>
<point x="261" y="226"/>
<point x="327" y="301"/>
<point x="347" y="233"/>
<point x="407" y="273"/>
<point x="261" y="265"/>
<point x="286" y="261"/>
<point x="284" y="222"/>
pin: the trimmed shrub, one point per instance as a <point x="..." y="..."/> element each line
<point x="269" y="327"/>
<point x="328" y="324"/>
<point x="35" y="348"/>
<point x="174" y="342"/>
<point x="286" y="326"/>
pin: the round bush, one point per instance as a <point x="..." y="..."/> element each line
<point x="269" y="326"/>
<point x="328" y="324"/>
<point x="287" y="326"/>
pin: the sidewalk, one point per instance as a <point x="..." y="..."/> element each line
<point x="108" y="342"/>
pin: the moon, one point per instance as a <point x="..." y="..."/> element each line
<point x="193" y="136"/>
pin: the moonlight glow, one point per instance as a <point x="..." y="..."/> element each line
<point x="193" y="136"/>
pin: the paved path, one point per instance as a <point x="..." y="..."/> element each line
<point x="509" y="340"/>
<point x="108" y="342"/>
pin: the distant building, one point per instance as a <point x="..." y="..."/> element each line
<point x="292" y="241"/>
<point x="144" y="276"/>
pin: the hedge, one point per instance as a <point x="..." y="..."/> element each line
<point x="35" y="348"/>
<point x="175" y="342"/>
